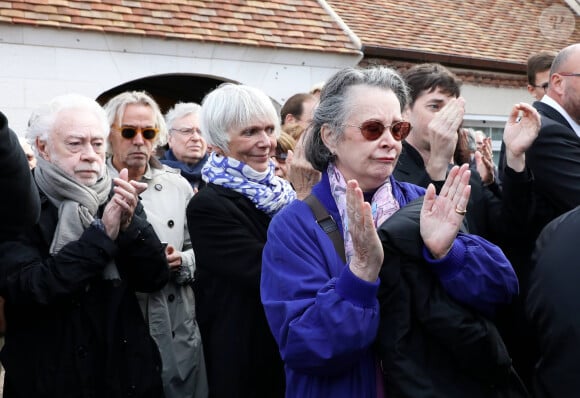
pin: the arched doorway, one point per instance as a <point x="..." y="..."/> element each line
<point x="169" y="89"/>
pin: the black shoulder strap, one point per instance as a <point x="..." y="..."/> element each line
<point x="327" y="223"/>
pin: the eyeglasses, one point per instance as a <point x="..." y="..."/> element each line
<point x="543" y="86"/>
<point x="281" y="156"/>
<point x="569" y="74"/>
<point x="129" y="132"/>
<point x="373" y="129"/>
<point x="187" y="131"/>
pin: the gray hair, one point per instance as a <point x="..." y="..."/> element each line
<point x="232" y="106"/>
<point x="180" y="110"/>
<point x="42" y="120"/>
<point x="115" y="109"/>
<point x="334" y="107"/>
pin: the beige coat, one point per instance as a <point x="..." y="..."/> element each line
<point x="171" y="311"/>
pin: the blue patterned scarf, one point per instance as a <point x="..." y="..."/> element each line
<point x="267" y="191"/>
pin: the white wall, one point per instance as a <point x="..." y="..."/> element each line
<point x="40" y="63"/>
<point x="492" y="101"/>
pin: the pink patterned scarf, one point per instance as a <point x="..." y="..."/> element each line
<point x="383" y="204"/>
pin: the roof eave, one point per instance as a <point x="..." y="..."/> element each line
<point x="449" y="60"/>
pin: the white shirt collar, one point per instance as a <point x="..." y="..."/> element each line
<point x="551" y="102"/>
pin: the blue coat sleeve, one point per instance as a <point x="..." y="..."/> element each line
<point x="475" y="272"/>
<point x="322" y="316"/>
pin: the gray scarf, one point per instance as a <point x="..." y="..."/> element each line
<point x="77" y="205"/>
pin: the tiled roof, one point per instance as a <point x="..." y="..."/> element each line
<point x="467" y="76"/>
<point x="296" y="24"/>
<point x="468" y="32"/>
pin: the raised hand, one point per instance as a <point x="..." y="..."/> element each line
<point x="443" y="137"/>
<point x="368" y="251"/>
<point x="300" y="172"/>
<point x="119" y="211"/>
<point x="519" y="133"/>
<point x="484" y="162"/>
<point x="441" y="216"/>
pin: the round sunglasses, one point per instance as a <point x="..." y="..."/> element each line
<point x="129" y="132"/>
<point x="373" y="129"/>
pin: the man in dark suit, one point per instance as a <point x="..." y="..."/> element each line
<point x="554" y="158"/>
<point x="552" y="299"/>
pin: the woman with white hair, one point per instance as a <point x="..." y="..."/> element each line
<point x="228" y="220"/>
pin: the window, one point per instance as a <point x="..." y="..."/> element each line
<point x="492" y="126"/>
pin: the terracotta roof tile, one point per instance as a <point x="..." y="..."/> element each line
<point x="297" y="24"/>
<point x="496" y="30"/>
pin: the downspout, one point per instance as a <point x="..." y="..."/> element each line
<point x="351" y="35"/>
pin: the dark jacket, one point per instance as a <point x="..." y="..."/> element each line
<point x="429" y="345"/>
<point x="20" y="206"/>
<point x="228" y="235"/>
<point x="483" y="208"/>
<point x="553" y="307"/>
<point x="554" y="158"/>
<point x="70" y="333"/>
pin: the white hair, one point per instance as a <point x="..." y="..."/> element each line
<point x="232" y="106"/>
<point x="180" y="110"/>
<point x="43" y="119"/>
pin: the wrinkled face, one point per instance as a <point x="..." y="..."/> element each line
<point x="185" y="140"/>
<point x="253" y="144"/>
<point x="542" y="78"/>
<point x="422" y="112"/>
<point x="133" y="153"/>
<point x="368" y="162"/>
<point x="77" y="145"/>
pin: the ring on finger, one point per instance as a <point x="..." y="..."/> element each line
<point x="461" y="212"/>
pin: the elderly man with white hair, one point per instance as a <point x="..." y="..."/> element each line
<point x="187" y="148"/>
<point x="70" y="280"/>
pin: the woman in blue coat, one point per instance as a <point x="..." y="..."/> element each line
<point x="323" y="312"/>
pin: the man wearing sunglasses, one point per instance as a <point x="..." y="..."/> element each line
<point x="552" y="304"/>
<point x="137" y="128"/>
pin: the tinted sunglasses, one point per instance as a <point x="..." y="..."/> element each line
<point x="148" y="133"/>
<point x="373" y="129"/>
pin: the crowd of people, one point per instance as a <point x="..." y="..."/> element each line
<point x="359" y="243"/>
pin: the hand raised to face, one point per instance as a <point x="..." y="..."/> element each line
<point x="300" y="173"/>
<point x="443" y="137"/>
<point x="520" y="131"/>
